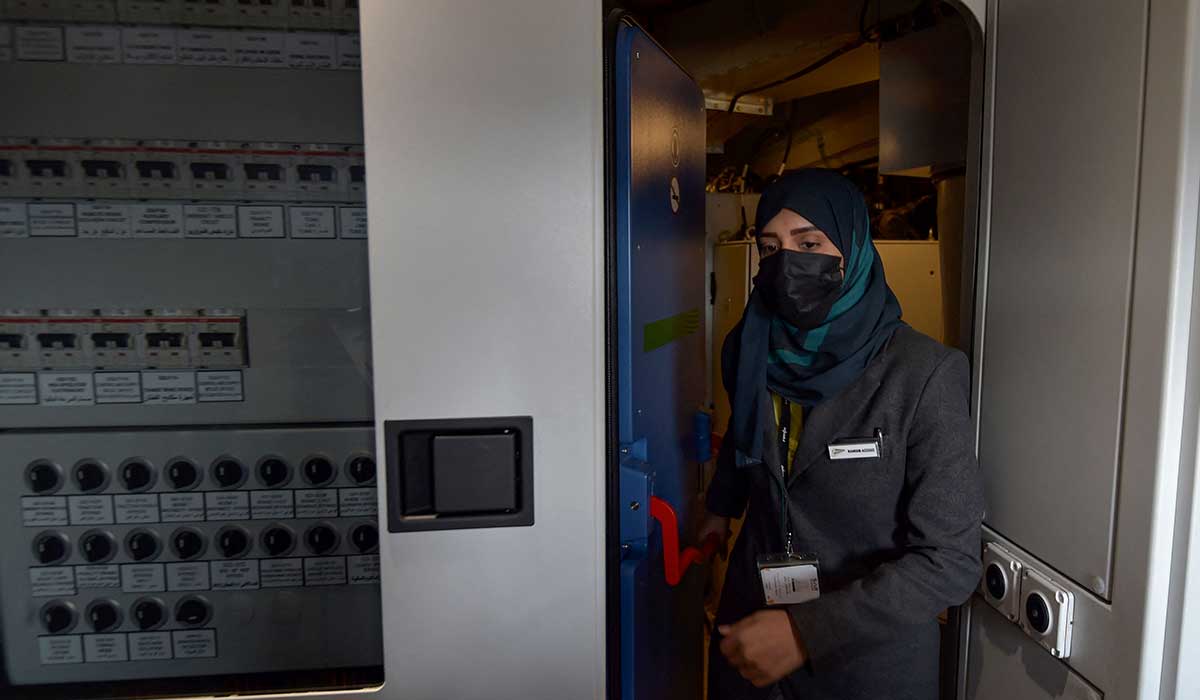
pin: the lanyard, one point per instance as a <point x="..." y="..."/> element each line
<point x="785" y="426"/>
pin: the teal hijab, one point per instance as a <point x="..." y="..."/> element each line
<point x="765" y="354"/>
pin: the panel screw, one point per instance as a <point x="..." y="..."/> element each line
<point x="637" y="55"/>
<point x="634" y="505"/>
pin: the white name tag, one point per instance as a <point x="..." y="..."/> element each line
<point x="790" y="585"/>
<point x="864" y="449"/>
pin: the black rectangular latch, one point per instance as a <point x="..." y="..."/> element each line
<point x="459" y="473"/>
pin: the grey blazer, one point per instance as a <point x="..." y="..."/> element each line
<point x="898" y="537"/>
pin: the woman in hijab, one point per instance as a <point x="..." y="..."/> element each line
<point x="850" y="451"/>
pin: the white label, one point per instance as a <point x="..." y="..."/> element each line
<point x="93" y="44"/>
<point x="181" y="507"/>
<point x="52" y="581"/>
<point x="66" y="389"/>
<point x="143" y="578"/>
<point x="90" y="510"/>
<point x="358" y="502"/>
<point x="325" y="571"/>
<point x="188" y="576"/>
<point x="354" y="222"/>
<point x="311" y="50"/>
<point x="312" y="222"/>
<point x="205" y="47"/>
<point x="137" y="508"/>
<point x="169" y="388"/>
<point x="149" y="646"/>
<point x="98" y="576"/>
<point x="258" y="221"/>
<point x="218" y="386"/>
<point x="99" y="648"/>
<point x="157" y="220"/>
<point x="6" y="49"/>
<point x="118" y="387"/>
<point x="854" y="450"/>
<point x="210" y="221"/>
<point x="364" y="568"/>
<point x="260" y="49"/>
<point x="349" y="49"/>
<point x="64" y="649"/>
<point x="316" y="503"/>
<point x="39" y="44"/>
<point x="271" y="505"/>
<point x="282" y="573"/>
<point x="51" y="220"/>
<point x="43" y="511"/>
<point x="103" y="220"/>
<point x="18" y="389"/>
<point x="234" y="575"/>
<point x="14" y="223"/>
<point x="149" y="45"/>
<point x="195" y="644"/>
<point x="789" y="585"/>
<point x="230" y="505"/>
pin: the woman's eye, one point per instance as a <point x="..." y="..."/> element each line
<point x="810" y="245"/>
<point x="768" y="250"/>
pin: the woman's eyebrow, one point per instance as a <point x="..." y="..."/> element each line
<point x="804" y="229"/>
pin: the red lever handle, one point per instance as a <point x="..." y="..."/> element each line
<point x="676" y="561"/>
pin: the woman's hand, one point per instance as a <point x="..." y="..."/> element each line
<point x="764" y="647"/>
<point x="715" y="525"/>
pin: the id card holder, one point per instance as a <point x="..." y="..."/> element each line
<point x="789" y="579"/>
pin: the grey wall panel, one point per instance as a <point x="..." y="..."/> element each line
<point x="1064" y="176"/>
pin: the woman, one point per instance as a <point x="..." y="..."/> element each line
<point x="882" y="488"/>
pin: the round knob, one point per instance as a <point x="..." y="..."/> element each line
<point x="44" y="477"/>
<point x="91" y="476"/>
<point x="51" y="547"/>
<point x="273" y="472"/>
<point x="318" y="471"/>
<point x="361" y="470"/>
<point x="136" y="475"/>
<point x="277" y="541"/>
<point x="233" y="542"/>
<point x="365" y="538"/>
<point x="58" y="617"/>
<point x="148" y="613"/>
<point x="103" y="615"/>
<point x="187" y="543"/>
<point x="97" y="546"/>
<point x="182" y="474"/>
<point x="192" y="611"/>
<point x="321" y="539"/>
<point x="142" y="545"/>
<point x="229" y="473"/>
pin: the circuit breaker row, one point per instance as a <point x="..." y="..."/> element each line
<point x="306" y="14"/>
<point x="122" y="338"/>
<point x="116" y="168"/>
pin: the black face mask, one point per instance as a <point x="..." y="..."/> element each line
<point x="798" y="287"/>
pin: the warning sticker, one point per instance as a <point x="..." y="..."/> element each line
<point x="66" y="389"/>
<point x="146" y="45"/>
<point x="51" y="220"/>
<point x="227" y="505"/>
<point x="143" y="578"/>
<point x="312" y="222"/>
<point x="325" y="571"/>
<point x="364" y="568"/>
<point x="149" y="646"/>
<point x="349" y="52"/>
<point x="99" y="576"/>
<point x="52" y="581"/>
<point x="136" y="508"/>
<point x="98" y="648"/>
<point x="39" y="44"/>
<point x="188" y="576"/>
<point x="169" y="388"/>
<point x="157" y="220"/>
<point x="271" y="505"/>
<point x="234" y="575"/>
<point x="353" y="222"/>
<point x="205" y="47"/>
<point x="210" y="221"/>
<point x="282" y="573"/>
<point x="14" y="223"/>
<point x="90" y="510"/>
<point x="18" y="389"/>
<point x="181" y="507"/>
<point x="195" y="644"/>
<point x="62" y="649"/>
<point x="217" y="386"/>
<point x="311" y="50"/>
<point x="358" y="502"/>
<point x="260" y="221"/>
<point x="316" y="503"/>
<point x="103" y="220"/>
<point x="92" y="44"/>
<point x="260" y="49"/>
<point x="43" y="511"/>
<point x="118" y="387"/>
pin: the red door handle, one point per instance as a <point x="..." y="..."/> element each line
<point x="676" y="561"/>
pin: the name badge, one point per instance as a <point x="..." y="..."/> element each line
<point x="867" y="448"/>
<point x="789" y="579"/>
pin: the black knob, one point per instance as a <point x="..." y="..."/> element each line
<point x="187" y="543"/>
<point x="272" y="472"/>
<point x="233" y="542"/>
<point x="51" y="547"/>
<point x="996" y="581"/>
<point x="148" y="614"/>
<point x="365" y="538"/>
<point x="103" y="616"/>
<point x="136" y="475"/>
<point x="58" y="617"/>
<point x="90" y="476"/>
<point x="97" y="546"/>
<point x="318" y="471"/>
<point x="44" y="477"/>
<point x="182" y="474"/>
<point x="321" y="539"/>
<point x="142" y="545"/>
<point x="361" y="470"/>
<point x="229" y="473"/>
<point x="192" y="612"/>
<point x="1038" y="613"/>
<point x="277" y="541"/>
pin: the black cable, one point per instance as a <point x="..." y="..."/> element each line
<point x="844" y="49"/>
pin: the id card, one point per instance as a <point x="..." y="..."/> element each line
<point x="788" y="580"/>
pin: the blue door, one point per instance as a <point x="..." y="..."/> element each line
<point x="657" y="246"/>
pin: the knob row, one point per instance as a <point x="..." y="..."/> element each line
<point x="104" y="615"/>
<point x="231" y="542"/>
<point x="181" y="474"/>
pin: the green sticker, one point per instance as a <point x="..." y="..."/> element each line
<point x="668" y="330"/>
